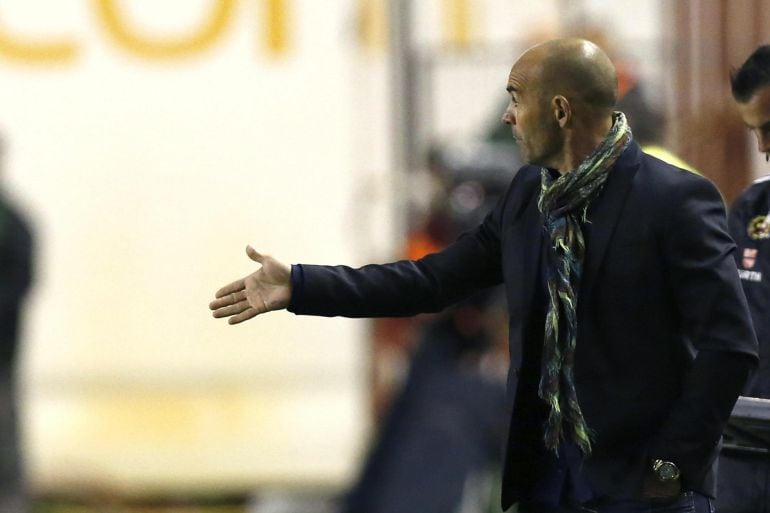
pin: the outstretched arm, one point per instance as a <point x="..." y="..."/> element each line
<point x="403" y="288"/>
<point x="265" y="290"/>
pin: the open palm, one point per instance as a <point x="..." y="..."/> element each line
<point x="265" y="290"/>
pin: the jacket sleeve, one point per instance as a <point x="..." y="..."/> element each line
<point x="406" y="287"/>
<point x="698" y="255"/>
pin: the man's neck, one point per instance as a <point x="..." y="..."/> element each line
<point x="580" y="143"/>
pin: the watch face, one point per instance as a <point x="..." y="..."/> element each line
<point x="667" y="471"/>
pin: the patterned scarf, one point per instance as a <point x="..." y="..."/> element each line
<point x="564" y="203"/>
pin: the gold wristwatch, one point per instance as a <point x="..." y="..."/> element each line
<point x="665" y="471"/>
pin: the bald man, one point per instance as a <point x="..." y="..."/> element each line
<point x="629" y="334"/>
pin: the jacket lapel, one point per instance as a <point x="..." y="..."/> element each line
<point x="605" y="212"/>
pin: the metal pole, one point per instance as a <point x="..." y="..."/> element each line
<point x="403" y="105"/>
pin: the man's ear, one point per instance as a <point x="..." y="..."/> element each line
<point x="562" y="110"/>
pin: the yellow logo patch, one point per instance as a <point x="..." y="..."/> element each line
<point x="759" y="227"/>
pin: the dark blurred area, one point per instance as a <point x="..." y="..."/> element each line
<point x="16" y="265"/>
<point x="440" y="433"/>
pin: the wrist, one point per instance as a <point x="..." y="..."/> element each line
<point x="665" y="471"/>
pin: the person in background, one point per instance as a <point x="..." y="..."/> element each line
<point x="629" y="333"/>
<point x="444" y="429"/>
<point x="436" y="444"/>
<point x="15" y="280"/>
<point x="743" y="484"/>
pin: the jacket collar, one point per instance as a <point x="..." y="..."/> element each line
<point x="603" y="215"/>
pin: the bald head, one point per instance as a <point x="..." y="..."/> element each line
<point x="574" y="68"/>
<point x="563" y="93"/>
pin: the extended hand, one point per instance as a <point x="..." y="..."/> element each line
<point x="267" y="289"/>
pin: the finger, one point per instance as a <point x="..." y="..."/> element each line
<point x="254" y="254"/>
<point x="231" y="310"/>
<point x="229" y="299"/>
<point x="244" y="316"/>
<point x="235" y="286"/>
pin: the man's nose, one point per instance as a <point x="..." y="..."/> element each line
<point x="508" y="117"/>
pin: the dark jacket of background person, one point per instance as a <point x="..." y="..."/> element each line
<point x="665" y="338"/>
<point x="445" y="426"/>
<point x="15" y="278"/>
<point x="743" y="483"/>
<point x="749" y="224"/>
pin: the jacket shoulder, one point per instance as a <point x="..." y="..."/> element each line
<point x="664" y="177"/>
<point x="524" y="183"/>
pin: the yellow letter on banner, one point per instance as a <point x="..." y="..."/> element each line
<point x="36" y="52"/>
<point x="165" y="48"/>
<point x="373" y="25"/>
<point x="276" y="20"/>
<point x="457" y="23"/>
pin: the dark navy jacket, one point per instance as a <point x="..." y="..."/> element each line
<point x="665" y="340"/>
<point x="749" y="224"/>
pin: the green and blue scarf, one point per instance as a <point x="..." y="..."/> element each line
<point x="564" y="203"/>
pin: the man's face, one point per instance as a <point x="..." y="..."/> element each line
<point x="756" y="115"/>
<point x="529" y="115"/>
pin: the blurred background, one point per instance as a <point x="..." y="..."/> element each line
<point x="146" y="142"/>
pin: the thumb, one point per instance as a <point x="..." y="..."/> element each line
<point x="254" y="254"/>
